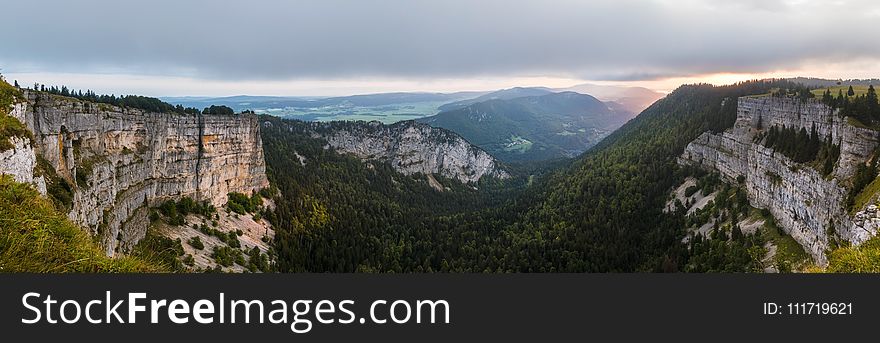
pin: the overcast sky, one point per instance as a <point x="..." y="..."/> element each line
<point x="331" y="47"/>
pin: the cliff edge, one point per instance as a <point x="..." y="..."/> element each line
<point x="117" y="162"/>
<point x="809" y="206"/>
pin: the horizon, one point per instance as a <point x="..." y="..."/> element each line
<point x="729" y="81"/>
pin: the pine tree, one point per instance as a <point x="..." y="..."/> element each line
<point x="827" y="98"/>
<point x="16" y="84"/>
<point x="850" y="92"/>
<point x="872" y="107"/>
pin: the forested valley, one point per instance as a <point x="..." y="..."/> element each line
<point x="601" y="212"/>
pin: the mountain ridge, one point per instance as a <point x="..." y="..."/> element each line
<point x="548" y="126"/>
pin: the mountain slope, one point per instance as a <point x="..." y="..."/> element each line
<point x="608" y="205"/>
<point x="632" y="99"/>
<point x="40" y="239"/>
<point x="337" y="212"/>
<point x="504" y="94"/>
<point x="528" y="128"/>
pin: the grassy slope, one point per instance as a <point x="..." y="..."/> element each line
<point x="865" y="195"/>
<point x="35" y="237"/>
<point x="859" y="90"/>
<point x="9" y="126"/>
<point x="862" y="259"/>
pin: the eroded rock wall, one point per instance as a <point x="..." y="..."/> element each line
<point x="122" y="160"/>
<point x="20" y="162"/>
<point x="412" y="148"/>
<point x="807" y="205"/>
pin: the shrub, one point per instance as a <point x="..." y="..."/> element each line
<point x="196" y="243"/>
<point x="226" y="256"/>
<point x="241" y="204"/>
<point x="189" y="260"/>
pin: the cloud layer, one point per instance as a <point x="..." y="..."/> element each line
<point x="329" y="39"/>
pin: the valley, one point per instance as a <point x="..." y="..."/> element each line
<point x="760" y="176"/>
<point x="532" y="128"/>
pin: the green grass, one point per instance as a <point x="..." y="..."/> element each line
<point x="35" y="237"/>
<point x="862" y="259"/>
<point x="857" y="123"/>
<point x="8" y="94"/>
<point x="865" y="195"/>
<point x="521" y="144"/>
<point x="788" y="251"/>
<point x="772" y="90"/>
<point x="9" y="126"/>
<point x="859" y="90"/>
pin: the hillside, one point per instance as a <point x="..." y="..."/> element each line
<point x="339" y="212"/>
<point x="533" y="128"/>
<point x="632" y="99"/>
<point x="504" y="94"/>
<point x="42" y="240"/>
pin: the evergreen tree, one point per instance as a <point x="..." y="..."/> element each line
<point x="850" y="92"/>
<point x="827" y="98"/>
<point x="872" y="107"/>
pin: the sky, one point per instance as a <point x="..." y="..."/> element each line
<point x="335" y="47"/>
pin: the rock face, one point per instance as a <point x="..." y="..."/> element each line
<point x="809" y="207"/>
<point x="20" y="161"/>
<point x="122" y="160"/>
<point x="411" y="148"/>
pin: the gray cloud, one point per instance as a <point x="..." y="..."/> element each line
<point x="274" y="40"/>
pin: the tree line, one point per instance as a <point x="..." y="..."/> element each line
<point x="864" y="107"/>
<point x="145" y="103"/>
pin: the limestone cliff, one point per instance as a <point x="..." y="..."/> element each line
<point x="123" y="160"/>
<point x="411" y="148"/>
<point x="807" y="205"/>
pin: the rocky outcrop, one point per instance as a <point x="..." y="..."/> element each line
<point x="20" y="162"/>
<point x="122" y="160"/>
<point x="411" y="148"/>
<point x="807" y="205"/>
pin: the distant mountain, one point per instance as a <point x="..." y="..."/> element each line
<point x="244" y="102"/>
<point x="632" y="99"/>
<point x="533" y="128"/>
<point x="504" y="94"/>
<point x="240" y="102"/>
<point x="384" y="107"/>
